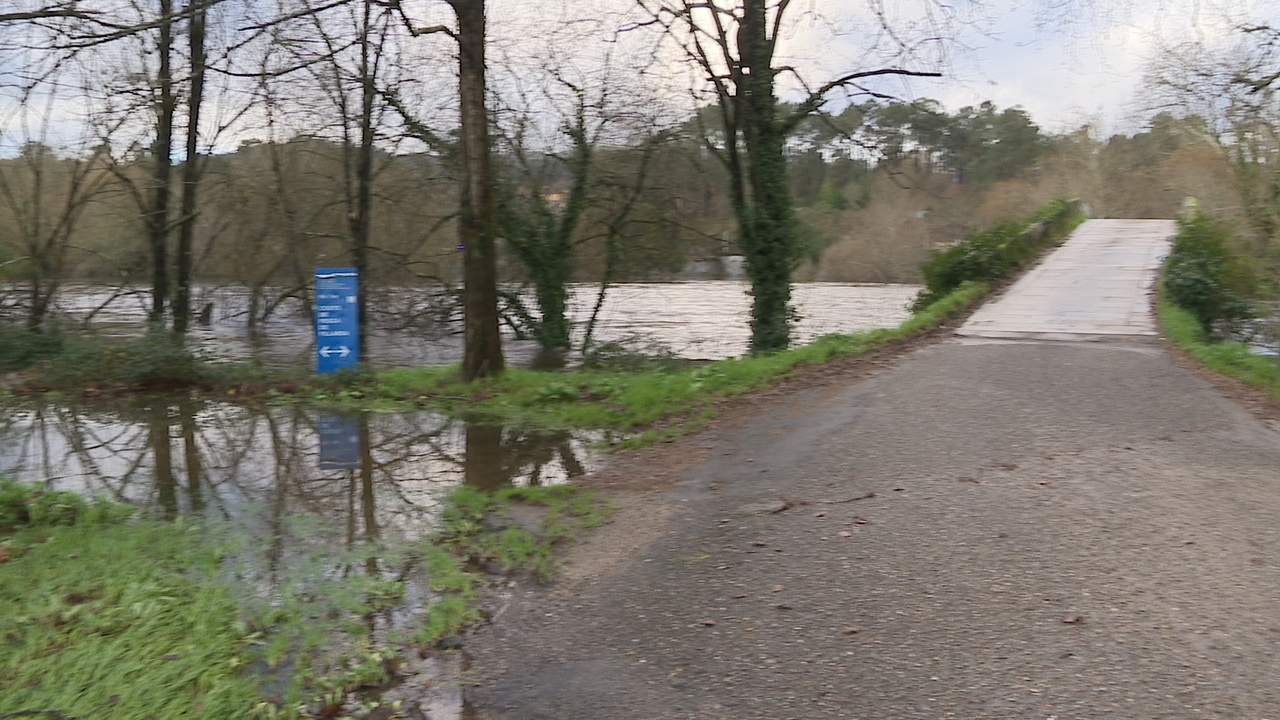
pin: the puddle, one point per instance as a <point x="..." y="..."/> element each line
<point x="318" y="500"/>
<point x="375" y="472"/>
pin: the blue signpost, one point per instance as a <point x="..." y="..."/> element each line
<point x="337" y="319"/>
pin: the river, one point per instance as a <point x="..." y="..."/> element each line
<point x="700" y="320"/>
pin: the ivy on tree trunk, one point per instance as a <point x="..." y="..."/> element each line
<point x="734" y="44"/>
<point x="762" y="195"/>
<point x="543" y="237"/>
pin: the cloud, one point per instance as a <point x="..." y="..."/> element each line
<point x="1070" y="63"/>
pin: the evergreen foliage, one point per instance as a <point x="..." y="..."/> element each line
<point x="995" y="252"/>
<point x="1205" y="277"/>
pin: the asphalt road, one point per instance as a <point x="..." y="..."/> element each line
<point x="991" y="528"/>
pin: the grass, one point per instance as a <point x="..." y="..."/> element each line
<point x="641" y="406"/>
<point x="638" y="404"/>
<point x="113" y="618"/>
<point x="117" y="620"/>
<point x="514" y="549"/>
<point x="660" y="400"/>
<point x="20" y="348"/>
<point x="63" y="360"/>
<point x="108" y="616"/>
<point x="634" y="406"/>
<point x="58" y="359"/>
<point x="1232" y="359"/>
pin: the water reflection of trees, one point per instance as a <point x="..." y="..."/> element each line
<point x="190" y="457"/>
<point x="307" y="535"/>
<point x="500" y="457"/>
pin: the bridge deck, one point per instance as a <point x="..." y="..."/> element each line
<point x="1097" y="284"/>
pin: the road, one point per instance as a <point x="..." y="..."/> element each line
<point x="1042" y="517"/>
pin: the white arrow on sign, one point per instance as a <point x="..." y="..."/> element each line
<point x="340" y="351"/>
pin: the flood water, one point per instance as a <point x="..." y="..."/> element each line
<point x="312" y="498"/>
<point x="369" y="473"/>
<point x="699" y="320"/>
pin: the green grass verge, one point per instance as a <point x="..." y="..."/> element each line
<point x="109" y="617"/>
<point x="1232" y="359"/>
<point x="119" y="621"/>
<point x="656" y="404"/>
<point x="663" y="400"/>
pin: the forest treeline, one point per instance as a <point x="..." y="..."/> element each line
<point x="178" y="144"/>
<point x="273" y="211"/>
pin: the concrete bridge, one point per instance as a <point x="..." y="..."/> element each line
<point x="1096" y="285"/>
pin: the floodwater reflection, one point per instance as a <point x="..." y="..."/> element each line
<point x="319" y="497"/>
<point x="221" y="460"/>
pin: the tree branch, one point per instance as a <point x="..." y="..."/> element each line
<point x="819" y="96"/>
<point x="48" y="14"/>
<point x="294" y="16"/>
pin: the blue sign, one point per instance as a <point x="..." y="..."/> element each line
<point x="339" y="441"/>
<point x="337" y="319"/>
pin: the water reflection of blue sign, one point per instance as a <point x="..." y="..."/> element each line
<point x="339" y="441"/>
<point x="337" y="319"/>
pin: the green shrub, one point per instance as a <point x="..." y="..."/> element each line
<point x="635" y="353"/>
<point x="994" y="253"/>
<point x="20" y="348"/>
<point x="1204" y="277"/>
<point x="24" y="505"/>
<point x="157" y="359"/>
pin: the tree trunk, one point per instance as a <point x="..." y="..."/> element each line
<point x="476" y="222"/>
<point x="191" y="170"/>
<point x="484" y="462"/>
<point x="162" y="169"/>
<point x="767" y="228"/>
<point x="361" y="214"/>
<point x="191" y="453"/>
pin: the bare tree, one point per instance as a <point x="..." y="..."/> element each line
<point x="191" y="168"/>
<point x="734" y="43"/>
<point x="145" y="91"/>
<point x="1229" y="95"/>
<point x="477" y="222"/>
<point x="44" y="197"/>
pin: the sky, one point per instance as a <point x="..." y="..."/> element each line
<point x="1066" y="62"/>
<point x="1080" y="63"/>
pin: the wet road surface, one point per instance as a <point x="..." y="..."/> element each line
<point x="991" y="528"/>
